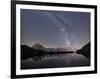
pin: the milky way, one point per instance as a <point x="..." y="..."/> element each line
<point x="55" y="28"/>
<point x="64" y="27"/>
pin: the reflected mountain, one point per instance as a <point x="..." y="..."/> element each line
<point x="85" y="50"/>
<point x="37" y="52"/>
<point x="40" y="57"/>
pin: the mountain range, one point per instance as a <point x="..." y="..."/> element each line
<point x="40" y="51"/>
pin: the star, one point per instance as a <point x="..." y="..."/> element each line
<point x="63" y="29"/>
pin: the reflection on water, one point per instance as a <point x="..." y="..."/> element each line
<point x="54" y="61"/>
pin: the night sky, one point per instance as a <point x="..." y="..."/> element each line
<point x="55" y="29"/>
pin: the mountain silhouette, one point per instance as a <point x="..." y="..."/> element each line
<point x="38" y="46"/>
<point x="85" y="50"/>
<point x="28" y="52"/>
<point x="38" y="51"/>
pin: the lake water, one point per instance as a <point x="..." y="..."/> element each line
<point x="54" y="61"/>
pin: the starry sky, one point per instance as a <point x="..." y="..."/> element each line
<point x="55" y="29"/>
